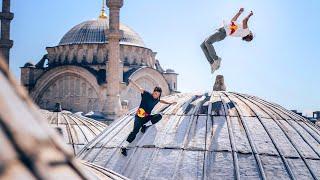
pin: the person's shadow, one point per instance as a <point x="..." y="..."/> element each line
<point x="218" y="108"/>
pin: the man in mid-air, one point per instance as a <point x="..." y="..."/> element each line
<point x="143" y="115"/>
<point x="232" y="28"/>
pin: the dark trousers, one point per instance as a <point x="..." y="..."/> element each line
<point x="207" y="45"/>
<point x="139" y="122"/>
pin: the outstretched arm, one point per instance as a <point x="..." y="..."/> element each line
<point x="245" y="20"/>
<point x="237" y="15"/>
<point x="139" y="88"/>
<point x="166" y="102"/>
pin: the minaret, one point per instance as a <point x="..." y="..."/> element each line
<point x="5" y="43"/>
<point x="113" y="66"/>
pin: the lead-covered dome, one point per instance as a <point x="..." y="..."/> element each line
<point x="94" y="31"/>
<point x="222" y="135"/>
<point x="76" y="130"/>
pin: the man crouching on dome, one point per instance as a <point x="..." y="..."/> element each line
<point x="143" y="115"/>
<point x="232" y="28"/>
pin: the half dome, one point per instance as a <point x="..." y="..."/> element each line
<point x="76" y="130"/>
<point x="222" y="135"/>
<point x="94" y="31"/>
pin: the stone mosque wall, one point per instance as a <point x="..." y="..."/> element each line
<point x="74" y="87"/>
<point x="98" y="54"/>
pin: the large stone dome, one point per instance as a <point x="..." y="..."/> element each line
<point x="94" y="31"/>
<point x="222" y="135"/>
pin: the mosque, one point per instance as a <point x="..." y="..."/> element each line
<point x="214" y="135"/>
<point x="79" y="73"/>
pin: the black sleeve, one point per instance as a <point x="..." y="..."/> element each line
<point x="145" y="94"/>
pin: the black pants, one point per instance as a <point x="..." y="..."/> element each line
<point x="139" y="122"/>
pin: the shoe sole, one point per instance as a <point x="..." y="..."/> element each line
<point x="124" y="153"/>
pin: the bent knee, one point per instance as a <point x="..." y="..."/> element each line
<point x="202" y="45"/>
<point x="207" y="44"/>
<point x="156" y="118"/>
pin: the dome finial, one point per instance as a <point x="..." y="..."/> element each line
<point x="219" y="84"/>
<point x="103" y="10"/>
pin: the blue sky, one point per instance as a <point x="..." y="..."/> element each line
<point x="281" y="64"/>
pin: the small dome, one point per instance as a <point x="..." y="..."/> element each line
<point x="223" y="135"/>
<point x="95" y="115"/>
<point x="170" y="71"/>
<point x="29" y="64"/>
<point x="94" y="31"/>
<point x="76" y="130"/>
<point x="29" y="149"/>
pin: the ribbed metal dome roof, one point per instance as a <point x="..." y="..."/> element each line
<point x="76" y="130"/>
<point x="93" y="31"/>
<point x="29" y="149"/>
<point x="101" y="173"/>
<point x="223" y="135"/>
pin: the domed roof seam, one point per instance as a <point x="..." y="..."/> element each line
<point x="251" y="143"/>
<point x="69" y="133"/>
<point x="118" y="123"/>
<point x="94" y="125"/>
<point x="289" y="114"/>
<point x="232" y="140"/>
<point x="293" y="144"/>
<point x="80" y="127"/>
<point x="296" y="130"/>
<point x="280" y="153"/>
<point x="293" y="115"/>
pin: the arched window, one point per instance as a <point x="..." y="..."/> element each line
<point x="126" y="61"/>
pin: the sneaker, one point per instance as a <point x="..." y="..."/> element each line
<point x="144" y="128"/>
<point x="124" y="151"/>
<point x="215" y="65"/>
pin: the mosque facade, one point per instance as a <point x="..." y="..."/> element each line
<point x="216" y="135"/>
<point x="80" y="74"/>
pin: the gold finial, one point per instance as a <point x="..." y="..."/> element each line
<point x="103" y="10"/>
